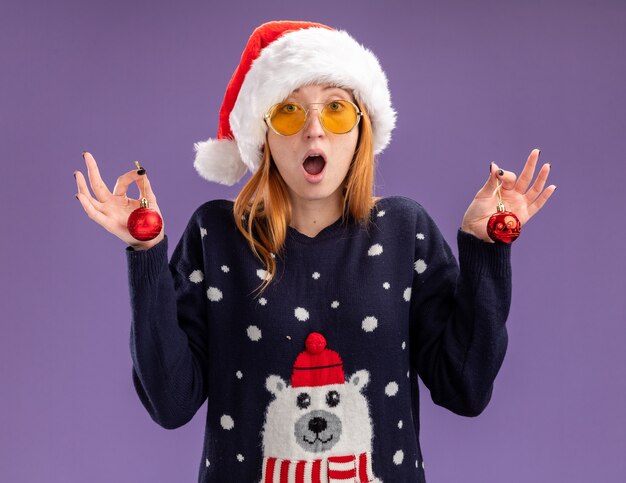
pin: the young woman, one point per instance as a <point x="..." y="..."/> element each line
<point x="306" y="310"/>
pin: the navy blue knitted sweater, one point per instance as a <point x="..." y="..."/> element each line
<point x="315" y="379"/>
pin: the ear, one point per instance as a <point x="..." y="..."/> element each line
<point x="275" y="384"/>
<point x="359" y="379"/>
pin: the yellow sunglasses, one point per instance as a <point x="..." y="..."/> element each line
<point x="288" y="118"/>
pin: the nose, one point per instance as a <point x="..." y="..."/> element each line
<point x="317" y="425"/>
<point x="313" y="127"/>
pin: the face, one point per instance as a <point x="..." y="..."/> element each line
<point x="314" y="162"/>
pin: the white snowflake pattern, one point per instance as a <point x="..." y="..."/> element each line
<point x="301" y="314"/>
<point x="254" y="333"/>
<point x="386" y="285"/>
<point x="239" y="374"/>
<point x="375" y="250"/>
<point x="420" y="266"/>
<point x="227" y="422"/>
<point x="225" y="268"/>
<point x="335" y="304"/>
<point x="202" y="235"/>
<point x="206" y="462"/>
<point x="400" y="424"/>
<point x="369" y="323"/>
<point x="240" y="457"/>
<point x="420" y="236"/>
<point x="391" y="389"/>
<point x="263" y="301"/>
<point x="403" y="344"/>
<point x="214" y="294"/>
<point x="262" y="274"/>
<point x="398" y="457"/>
<point x="316" y="275"/>
<point x="407" y="294"/>
<point x="196" y="276"/>
<point x="381" y="214"/>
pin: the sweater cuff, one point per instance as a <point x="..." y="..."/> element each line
<point x="481" y="257"/>
<point x="146" y="265"/>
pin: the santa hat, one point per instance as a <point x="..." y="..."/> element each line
<point x="317" y="365"/>
<point x="279" y="58"/>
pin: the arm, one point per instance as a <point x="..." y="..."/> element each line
<point x="168" y="334"/>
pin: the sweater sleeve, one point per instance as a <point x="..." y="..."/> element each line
<point x="168" y="339"/>
<point x="458" y="319"/>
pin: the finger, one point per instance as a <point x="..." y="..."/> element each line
<point x="124" y="181"/>
<point x="84" y="190"/>
<point x="540" y="201"/>
<point x="93" y="213"/>
<point x="539" y="183"/>
<point x="528" y="172"/>
<point x="97" y="185"/>
<point x="489" y="188"/>
<point x="507" y="178"/>
<point x="145" y="188"/>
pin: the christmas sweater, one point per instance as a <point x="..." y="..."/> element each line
<point x="316" y="378"/>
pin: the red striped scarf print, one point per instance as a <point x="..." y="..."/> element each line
<point x="340" y="469"/>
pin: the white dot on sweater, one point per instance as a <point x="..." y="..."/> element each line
<point x="301" y="314"/>
<point x="239" y="374"/>
<point x="262" y="274"/>
<point x="375" y="250"/>
<point x="403" y="344"/>
<point x="202" y="235"/>
<point x="254" y="333"/>
<point x="240" y="458"/>
<point x="227" y="422"/>
<point x="398" y="457"/>
<point x="381" y="214"/>
<point x="420" y="266"/>
<point x="214" y="294"/>
<point x="400" y="424"/>
<point x="369" y="323"/>
<point x="263" y="301"/>
<point x="420" y="236"/>
<point x="416" y="464"/>
<point x="225" y="268"/>
<point x="206" y="462"/>
<point x="391" y="389"/>
<point x="407" y="294"/>
<point x="335" y="304"/>
<point x="386" y="285"/>
<point x="196" y="276"/>
<point x="316" y="275"/>
<point x="408" y="376"/>
<point x="272" y="255"/>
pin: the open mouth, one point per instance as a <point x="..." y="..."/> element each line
<point x="314" y="164"/>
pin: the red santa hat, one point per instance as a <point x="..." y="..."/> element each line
<point x="279" y="58"/>
<point x="317" y="365"/>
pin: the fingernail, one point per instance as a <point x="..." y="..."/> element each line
<point x="76" y="196"/>
<point x="500" y="172"/>
<point x="539" y="153"/>
<point x="74" y="173"/>
<point x="84" y="154"/>
<point x="490" y="167"/>
<point x="549" y="166"/>
<point x="141" y="171"/>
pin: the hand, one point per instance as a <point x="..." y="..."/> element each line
<point x="516" y="196"/>
<point x="111" y="210"/>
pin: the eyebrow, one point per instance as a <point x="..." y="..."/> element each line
<point x="323" y="88"/>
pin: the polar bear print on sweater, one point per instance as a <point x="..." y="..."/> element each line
<point x="319" y="427"/>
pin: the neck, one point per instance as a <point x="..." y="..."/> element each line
<point x="310" y="217"/>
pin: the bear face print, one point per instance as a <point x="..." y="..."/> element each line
<point x="320" y="424"/>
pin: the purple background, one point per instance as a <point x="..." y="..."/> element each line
<point x="472" y="81"/>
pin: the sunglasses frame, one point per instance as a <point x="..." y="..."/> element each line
<point x="268" y="115"/>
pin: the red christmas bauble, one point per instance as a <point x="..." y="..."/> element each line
<point x="504" y="227"/>
<point x="145" y="224"/>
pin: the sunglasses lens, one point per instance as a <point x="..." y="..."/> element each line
<point x="287" y="118"/>
<point x="339" y="116"/>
